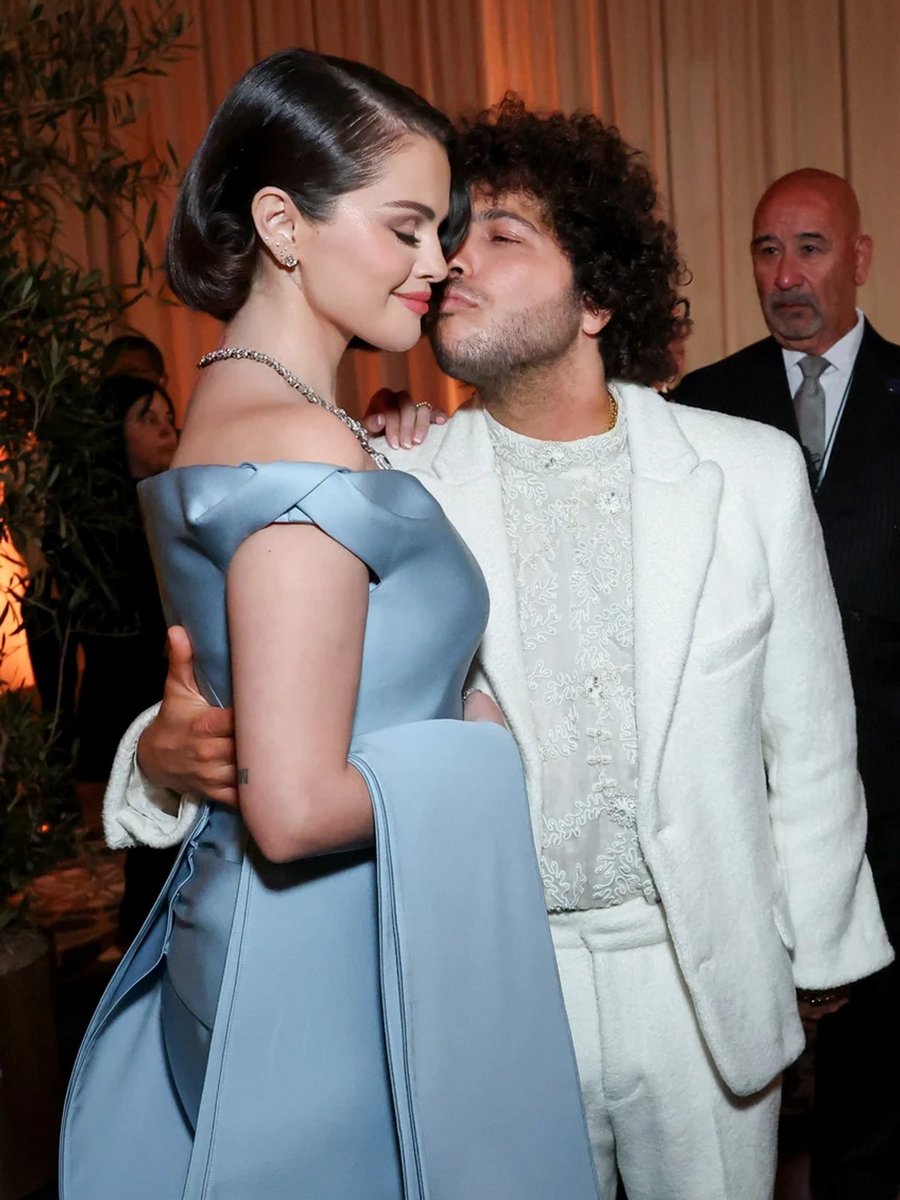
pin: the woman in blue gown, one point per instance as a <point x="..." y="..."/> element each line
<point x="348" y="990"/>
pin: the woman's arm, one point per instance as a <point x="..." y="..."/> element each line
<point x="297" y="604"/>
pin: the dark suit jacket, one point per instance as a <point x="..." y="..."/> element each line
<point x="859" y="506"/>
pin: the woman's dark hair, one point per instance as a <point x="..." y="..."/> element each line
<point x="599" y="200"/>
<point x="119" y="393"/>
<point x="129" y="343"/>
<point x="312" y="124"/>
<point x="115" y="398"/>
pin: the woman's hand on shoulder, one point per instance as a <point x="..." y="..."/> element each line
<point x="403" y="421"/>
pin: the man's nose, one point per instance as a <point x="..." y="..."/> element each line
<point x="789" y="274"/>
<point x="460" y="263"/>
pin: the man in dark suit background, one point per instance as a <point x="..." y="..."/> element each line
<point x="827" y="378"/>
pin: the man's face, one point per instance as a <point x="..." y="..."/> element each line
<point x="510" y="303"/>
<point x="808" y="260"/>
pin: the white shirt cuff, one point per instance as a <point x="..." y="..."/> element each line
<point x="135" y="811"/>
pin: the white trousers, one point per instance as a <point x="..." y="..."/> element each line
<point x="656" y="1106"/>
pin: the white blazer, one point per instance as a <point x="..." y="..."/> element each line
<point x="750" y="810"/>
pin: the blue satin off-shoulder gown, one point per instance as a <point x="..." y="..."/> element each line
<point x="375" y="1025"/>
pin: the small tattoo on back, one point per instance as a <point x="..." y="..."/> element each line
<point x="243" y="775"/>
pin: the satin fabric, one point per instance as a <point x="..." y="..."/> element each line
<point x="384" y="1024"/>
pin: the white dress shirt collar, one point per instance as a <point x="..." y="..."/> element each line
<point x="841" y="356"/>
<point x="835" y="379"/>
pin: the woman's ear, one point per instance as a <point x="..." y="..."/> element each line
<point x="278" y="224"/>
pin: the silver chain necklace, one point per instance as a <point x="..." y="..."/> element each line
<point x="355" y="427"/>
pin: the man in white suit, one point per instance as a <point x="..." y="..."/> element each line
<point x="665" y="646"/>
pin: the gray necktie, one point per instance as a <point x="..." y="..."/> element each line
<point x="809" y="405"/>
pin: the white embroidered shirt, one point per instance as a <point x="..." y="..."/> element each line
<point x="567" y="507"/>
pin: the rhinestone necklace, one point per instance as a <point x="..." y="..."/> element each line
<point x="355" y="427"/>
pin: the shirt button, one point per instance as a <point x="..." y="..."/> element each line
<point x="593" y="686"/>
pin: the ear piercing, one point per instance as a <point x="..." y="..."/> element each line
<point x="286" y="257"/>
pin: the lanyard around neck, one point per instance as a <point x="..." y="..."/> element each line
<point x="826" y="453"/>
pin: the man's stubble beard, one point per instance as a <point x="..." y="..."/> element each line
<point x="495" y="359"/>
<point x="793" y="331"/>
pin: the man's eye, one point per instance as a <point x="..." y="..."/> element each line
<point x="500" y="237"/>
<point x="811" y="249"/>
<point x="408" y="239"/>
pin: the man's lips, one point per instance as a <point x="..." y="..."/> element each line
<point x="417" y="301"/>
<point x="454" y="301"/>
<point x="799" y="303"/>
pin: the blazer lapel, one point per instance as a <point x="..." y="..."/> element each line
<point x="674" y="511"/>
<point x="771" y="401"/>
<point x="867" y="428"/>
<point x="462" y="477"/>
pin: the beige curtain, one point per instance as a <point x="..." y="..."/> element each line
<point x="724" y="95"/>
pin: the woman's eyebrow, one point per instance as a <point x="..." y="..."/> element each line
<point x="422" y="209"/>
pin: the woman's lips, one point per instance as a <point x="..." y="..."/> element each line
<point x="416" y="301"/>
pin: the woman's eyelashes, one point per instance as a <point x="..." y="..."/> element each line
<point x="408" y="239"/>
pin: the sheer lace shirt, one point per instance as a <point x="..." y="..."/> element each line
<point x="567" y="507"/>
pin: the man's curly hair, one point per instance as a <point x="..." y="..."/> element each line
<point x="599" y="200"/>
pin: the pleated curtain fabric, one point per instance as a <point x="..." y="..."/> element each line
<point x="723" y="97"/>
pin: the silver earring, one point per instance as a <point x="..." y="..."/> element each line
<point x="289" y="259"/>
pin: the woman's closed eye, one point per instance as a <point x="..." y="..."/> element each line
<point x="408" y="239"/>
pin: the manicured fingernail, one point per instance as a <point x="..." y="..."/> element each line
<point x="394" y="443"/>
<point x="440" y="420"/>
<point x="406" y="443"/>
<point x="417" y="438"/>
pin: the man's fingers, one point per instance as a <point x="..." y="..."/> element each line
<point x="223" y="795"/>
<point x="214" y="722"/>
<point x="215" y="753"/>
<point x="181" y="661"/>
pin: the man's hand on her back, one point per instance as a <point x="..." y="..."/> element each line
<point x="190" y="745"/>
<point x="402" y="421"/>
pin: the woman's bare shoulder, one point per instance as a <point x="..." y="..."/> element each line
<point x="267" y="428"/>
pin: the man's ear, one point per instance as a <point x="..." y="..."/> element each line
<point x="280" y="225"/>
<point x="862" y="249"/>
<point x="593" y="319"/>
